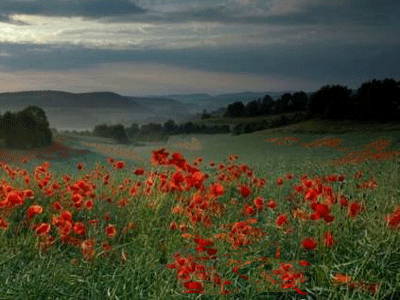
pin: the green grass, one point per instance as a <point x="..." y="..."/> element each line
<point x="366" y="248"/>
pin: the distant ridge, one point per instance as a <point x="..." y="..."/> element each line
<point x="60" y="99"/>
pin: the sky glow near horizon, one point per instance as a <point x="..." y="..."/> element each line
<point x="166" y="47"/>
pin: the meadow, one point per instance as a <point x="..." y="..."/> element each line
<point x="266" y="215"/>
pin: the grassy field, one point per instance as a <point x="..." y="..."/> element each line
<point x="297" y="215"/>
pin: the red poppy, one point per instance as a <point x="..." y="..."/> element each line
<point x="119" y="165"/>
<point x="217" y="190"/>
<point x="309" y="243"/>
<point x="111" y="231"/>
<point x="80" y="229"/>
<point x="43" y="229"/>
<point x="195" y="287"/>
<point x="249" y="210"/>
<point x="304" y="263"/>
<point x="89" y="204"/>
<point x="244" y="191"/>
<point x="34" y="210"/>
<point x="259" y="203"/>
<point x="271" y="204"/>
<point x="29" y="194"/>
<point x="354" y="210"/>
<point x="79" y="166"/>
<point x="139" y="171"/>
<point x="328" y="239"/>
<point x="281" y="220"/>
<point x="106" y="246"/>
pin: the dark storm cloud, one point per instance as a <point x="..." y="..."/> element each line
<point x="348" y="66"/>
<point x="373" y="12"/>
<point x="84" y="8"/>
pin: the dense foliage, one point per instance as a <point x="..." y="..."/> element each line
<point x="26" y="129"/>
<point x="374" y="101"/>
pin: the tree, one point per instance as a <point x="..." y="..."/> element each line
<point x="299" y="100"/>
<point x="170" y="127"/>
<point x="118" y="133"/>
<point x="133" y="130"/>
<point x="378" y="100"/>
<point x="251" y="109"/>
<point x="235" y="109"/>
<point x="102" y="131"/>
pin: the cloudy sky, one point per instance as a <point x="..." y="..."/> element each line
<point x="142" y="47"/>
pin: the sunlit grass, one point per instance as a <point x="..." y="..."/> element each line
<point x="158" y="219"/>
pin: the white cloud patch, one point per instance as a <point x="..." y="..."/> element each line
<point x="93" y="34"/>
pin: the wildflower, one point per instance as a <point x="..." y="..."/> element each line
<point x="249" y="210"/>
<point x="79" y="166"/>
<point x="217" y="190"/>
<point x="281" y="220"/>
<point x="119" y="165"/>
<point x="106" y="246"/>
<point x="89" y="204"/>
<point x="342" y="278"/>
<point x="43" y="229"/>
<point x="34" y="210"/>
<point x="354" y="210"/>
<point x="244" y="191"/>
<point x="259" y="203"/>
<point x="139" y="171"/>
<point x="111" y="231"/>
<point x="304" y="263"/>
<point x="194" y="287"/>
<point x="309" y="243"/>
<point x="328" y="239"/>
<point x="88" y="249"/>
<point x="80" y="229"/>
<point x="271" y="204"/>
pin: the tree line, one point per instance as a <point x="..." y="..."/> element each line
<point x="25" y="129"/>
<point x="154" y="131"/>
<point x="373" y="101"/>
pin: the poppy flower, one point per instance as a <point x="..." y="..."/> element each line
<point x="193" y="287"/>
<point x="139" y="171"/>
<point x="43" y="229"/>
<point x="342" y="278"/>
<point x="249" y="210"/>
<point x="281" y="220"/>
<point x="34" y="210"/>
<point x="271" y="204"/>
<point x="259" y="203"/>
<point x="354" y="210"/>
<point x="111" y="231"/>
<point x="106" y="246"/>
<point x="328" y="239"/>
<point x="119" y="165"/>
<point x="309" y="243"/>
<point x="244" y="191"/>
<point x="304" y="263"/>
<point x="80" y="229"/>
<point x="217" y="190"/>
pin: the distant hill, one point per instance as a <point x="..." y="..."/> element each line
<point x="81" y="111"/>
<point x="165" y="104"/>
<point x="59" y="99"/>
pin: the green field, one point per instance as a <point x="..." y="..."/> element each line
<point x="140" y="260"/>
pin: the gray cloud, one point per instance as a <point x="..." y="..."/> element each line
<point x="334" y="64"/>
<point x="84" y="8"/>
